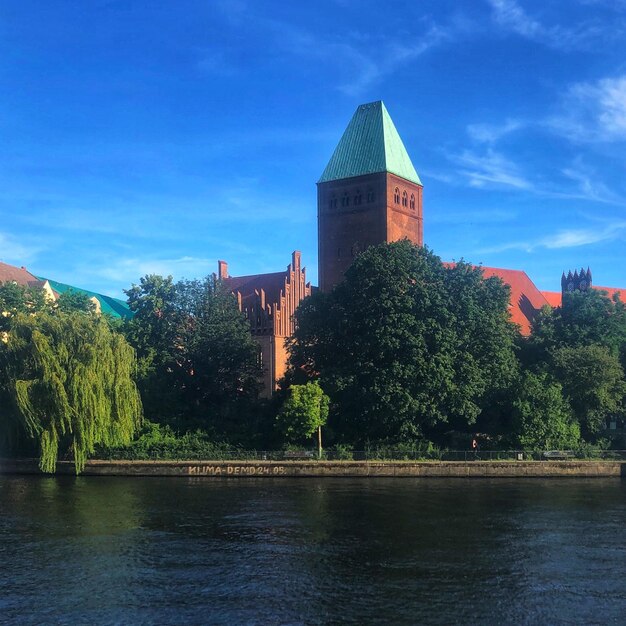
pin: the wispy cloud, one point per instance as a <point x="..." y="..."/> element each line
<point x="589" y="186"/>
<point x="511" y="16"/>
<point x="564" y="238"/>
<point x="15" y="252"/>
<point x="355" y="60"/>
<point x="490" y="216"/>
<point x="364" y="61"/>
<point x="491" y="133"/>
<point x="392" y="58"/>
<point x="490" y="169"/>
<point x="593" y="111"/>
<point x="129" y="270"/>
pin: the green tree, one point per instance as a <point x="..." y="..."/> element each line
<point x="303" y="413"/>
<point x="542" y="417"/>
<point x="593" y="382"/>
<point x="75" y="301"/>
<point x="155" y="332"/>
<point x="582" y="345"/>
<point x="584" y="318"/>
<point x="405" y="344"/>
<point x="221" y="356"/>
<point x="68" y="385"/>
<point x="198" y="361"/>
<point x="16" y="299"/>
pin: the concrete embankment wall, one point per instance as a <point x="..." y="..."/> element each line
<point x="243" y="469"/>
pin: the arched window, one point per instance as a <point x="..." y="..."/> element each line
<point x="332" y="203"/>
<point x="357" y="197"/>
<point x="412" y="202"/>
<point x="345" y="201"/>
<point x="396" y="195"/>
<point x="370" y="195"/>
<point x="405" y="199"/>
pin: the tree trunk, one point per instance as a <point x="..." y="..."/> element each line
<point x="319" y="442"/>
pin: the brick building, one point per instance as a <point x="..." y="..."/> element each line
<point x="369" y="193"/>
<point x="269" y="301"/>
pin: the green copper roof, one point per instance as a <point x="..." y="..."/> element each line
<point x="369" y="145"/>
<point x="110" y="306"/>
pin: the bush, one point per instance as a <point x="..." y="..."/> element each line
<point x="161" y="442"/>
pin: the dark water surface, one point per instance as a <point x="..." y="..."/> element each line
<point x="288" y="551"/>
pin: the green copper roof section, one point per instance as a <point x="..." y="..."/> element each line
<point x="369" y="145"/>
<point x="108" y="305"/>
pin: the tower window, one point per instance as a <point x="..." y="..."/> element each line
<point x="357" y="197"/>
<point x="396" y="195"/>
<point x="345" y="201"/>
<point x="412" y="202"/>
<point x="404" y="199"/>
<point x="332" y="203"/>
<point x="370" y="195"/>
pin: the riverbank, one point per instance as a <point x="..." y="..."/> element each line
<point x="244" y="469"/>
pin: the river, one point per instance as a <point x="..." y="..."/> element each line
<point x="92" y="550"/>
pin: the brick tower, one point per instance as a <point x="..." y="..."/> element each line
<point x="368" y="194"/>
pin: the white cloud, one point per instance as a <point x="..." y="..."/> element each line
<point x="130" y="270"/>
<point x="489" y="216"/>
<point x="391" y="59"/>
<point x="15" y="252"/>
<point x="491" y="133"/>
<point x="589" y="187"/>
<point x="595" y="111"/>
<point x="565" y="238"/>
<point x="364" y="61"/>
<point x="511" y="16"/>
<point x="491" y="169"/>
<point x="355" y="60"/>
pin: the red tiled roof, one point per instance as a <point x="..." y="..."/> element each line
<point x="553" y="298"/>
<point x="526" y="299"/>
<point x="10" y="273"/>
<point x="272" y="284"/>
<point x="611" y="291"/>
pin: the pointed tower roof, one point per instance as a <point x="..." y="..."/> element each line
<point x="369" y="145"/>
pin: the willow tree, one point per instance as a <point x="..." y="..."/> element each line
<point x="69" y="380"/>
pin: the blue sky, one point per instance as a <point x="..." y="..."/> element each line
<point x="141" y="136"/>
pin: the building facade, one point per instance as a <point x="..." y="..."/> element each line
<point x="269" y="301"/>
<point x="368" y="193"/>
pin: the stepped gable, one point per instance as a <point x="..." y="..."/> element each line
<point x="270" y="300"/>
<point x="248" y="287"/>
<point x="370" y="145"/>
